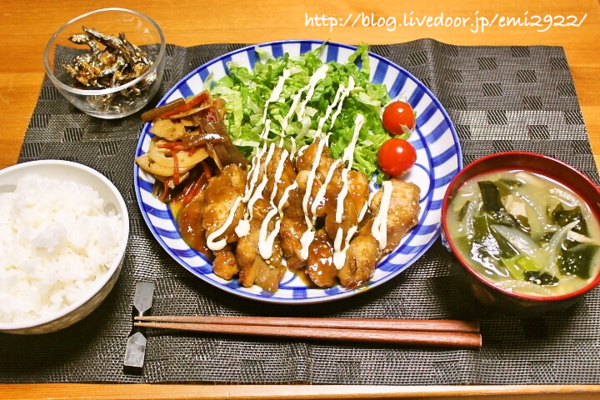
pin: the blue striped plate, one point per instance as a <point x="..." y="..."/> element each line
<point x="438" y="160"/>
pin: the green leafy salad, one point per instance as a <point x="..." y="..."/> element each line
<point x="247" y="92"/>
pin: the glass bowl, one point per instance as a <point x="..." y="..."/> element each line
<point x="114" y="101"/>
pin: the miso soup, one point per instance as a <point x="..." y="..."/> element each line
<point x="525" y="233"/>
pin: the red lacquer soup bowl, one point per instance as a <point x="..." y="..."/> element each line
<point x="504" y="299"/>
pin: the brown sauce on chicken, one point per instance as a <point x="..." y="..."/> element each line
<point x="241" y="256"/>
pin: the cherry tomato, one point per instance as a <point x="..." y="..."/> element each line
<point x="398" y="118"/>
<point x="396" y="156"/>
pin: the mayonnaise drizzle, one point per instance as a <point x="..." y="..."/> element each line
<point x="286" y="194"/>
<point x="314" y="80"/>
<point x="278" y="173"/>
<point x="309" y="184"/>
<point x="346" y="94"/>
<point x="265" y="133"/>
<point x="339" y="253"/>
<point x="292" y="149"/>
<point x="312" y="84"/>
<point x="319" y="75"/>
<point x="243" y="228"/>
<point x="349" y="150"/>
<point x="254" y="171"/>
<point x="210" y="240"/>
<point x="275" y="93"/>
<point x="365" y="207"/>
<point x="310" y="232"/>
<point x="302" y="150"/>
<point x="254" y="192"/>
<point x="306" y="239"/>
<point x="339" y="212"/>
<point x="325" y="117"/>
<point x="258" y="191"/>
<point x="338" y="100"/>
<point x="265" y="242"/>
<point x="295" y="100"/>
<point x="379" y="229"/>
<point x="323" y="188"/>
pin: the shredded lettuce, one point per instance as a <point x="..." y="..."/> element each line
<point x="246" y="93"/>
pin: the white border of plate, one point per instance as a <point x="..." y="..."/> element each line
<point x="439" y="158"/>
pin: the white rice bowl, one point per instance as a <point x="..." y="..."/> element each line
<point x="61" y="244"/>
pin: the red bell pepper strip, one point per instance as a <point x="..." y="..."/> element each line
<point x="194" y="189"/>
<point x="206" y="169"/>
<point x="189" y="105"/>
<point x="173" y="146"/>
<point x="211" y="115"/>
<point x="165" y="192"/>
<point x="175" y="169"/>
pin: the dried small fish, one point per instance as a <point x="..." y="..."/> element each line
<point x="117" y="63"/>
<point x="79" y="39"/>
<point x="138" y="55"/>
<point x="119" y="57"/>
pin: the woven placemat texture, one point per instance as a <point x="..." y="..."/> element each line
<point x="499" y="98"/>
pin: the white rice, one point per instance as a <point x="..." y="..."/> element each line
<point x="56" y="242"/>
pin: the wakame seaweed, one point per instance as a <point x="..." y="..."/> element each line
<point x="492" y="201"/>
<point x="493" y="206"/>
<point x="523" y="223"/>
<point x="514" y="227"/>
<point x="463" y="211"/>
<point x="540" y="278"/>
<point x="562" y="216"/>
<point x="510" y="182"/>
<point x="489" y="243"/>
<point x="577" y="260"/>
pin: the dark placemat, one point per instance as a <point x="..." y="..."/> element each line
<point x="500" y="98"/>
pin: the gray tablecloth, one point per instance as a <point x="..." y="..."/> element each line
<point x="500" y="98"/>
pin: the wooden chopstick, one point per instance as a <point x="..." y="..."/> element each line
<point x="408" y="337"/>
<point x="337" y="323"/>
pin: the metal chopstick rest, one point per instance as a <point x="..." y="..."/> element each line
<point x="136" y="342"/>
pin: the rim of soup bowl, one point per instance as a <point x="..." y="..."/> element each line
<point x="459" y="179"/>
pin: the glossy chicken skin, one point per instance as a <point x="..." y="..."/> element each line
<point x="305" y="161"/>
<point x="403" y="213"/>
<point x="361" y="259"/>
<point x="357" y="195"/>
<point x="364" y="251"/>
<point x="319" y="264"/>
<point x="189" y="222"/>
<point x="292" y="229"/>
<point x="254" y="269"/>
<point x="219" y="197"/>
<point x="293" y="226"/>
<point x="225" y="264"/>
<point x="353" y="224"/>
